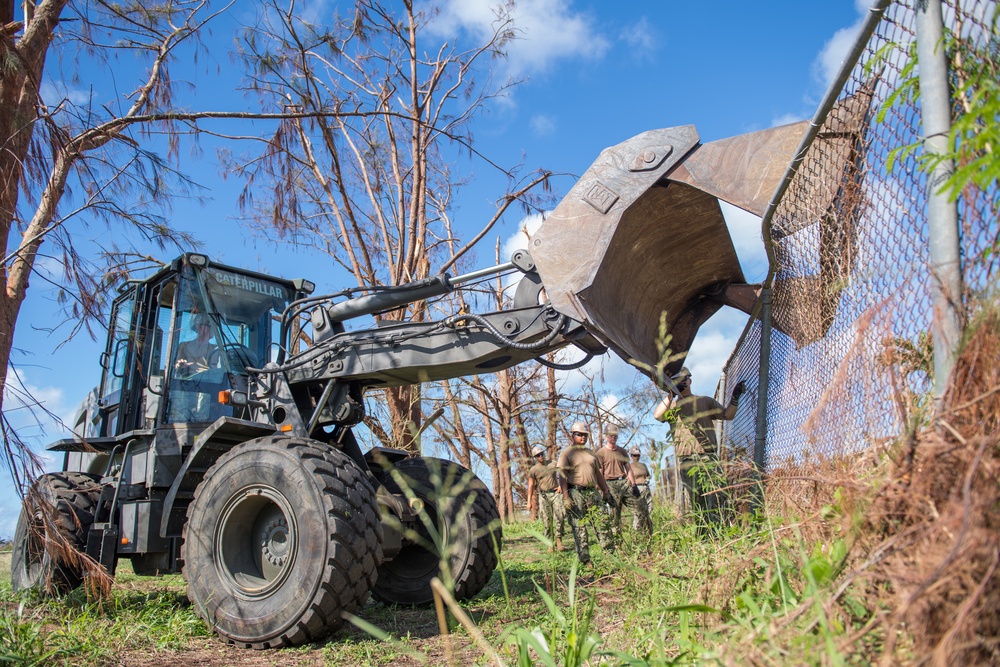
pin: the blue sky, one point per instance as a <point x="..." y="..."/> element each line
<point x="595" y="73"/>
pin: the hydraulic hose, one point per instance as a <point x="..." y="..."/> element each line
<point x="565" y="367"/>
<point x="446" y="323"/>
<point x="499" y="335"/>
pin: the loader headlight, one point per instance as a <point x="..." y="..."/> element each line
<point x="237" y="398"/>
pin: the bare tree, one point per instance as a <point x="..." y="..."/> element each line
<point x="68" y="162"/>
<point x="370" y="185"/>
<point x="72" y="157"/>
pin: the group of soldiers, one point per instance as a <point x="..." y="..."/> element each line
<point x="576" y="486"/>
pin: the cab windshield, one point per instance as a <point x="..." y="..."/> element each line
<point x="224" y="323"/>
<point x="247" y="310"/>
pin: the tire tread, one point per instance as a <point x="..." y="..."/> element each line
<point x="346" y="493"/>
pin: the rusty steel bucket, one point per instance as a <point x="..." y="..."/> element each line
<point x="641" y="239"/>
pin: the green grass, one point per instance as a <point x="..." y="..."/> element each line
<point x="5" y="566"/>
<point x="757" y="593"/>
<point x="138" y="615"/>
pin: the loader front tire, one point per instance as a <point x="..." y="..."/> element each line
<point x="51" y="532"/>
<point x="467" y="524"/>
<point x="282" y="537"/>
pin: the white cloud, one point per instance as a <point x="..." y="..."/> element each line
<point x="712" y="347"/>
<point x="28" y="405"/>
<point x="25" y="405"/>
<point x="787" y="119"/>
<point x="519" y="239"/>
<point x="831" y="57"/>
<point x="55" y="92"/>
<point x="542" y="125"/>
<point x="745" y="230"/>
<point x="547" y="31"/>
<point x="609" y="369"/>
<point x="610" y="405"/>
<point x="52" y="268"/>
<point x="9" y="512"/>
<point x="641" y="38"/>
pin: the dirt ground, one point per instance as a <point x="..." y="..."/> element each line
<point x="349" y="647"/>
<point x="419" y="643"/>
<point x="209" y="651"/>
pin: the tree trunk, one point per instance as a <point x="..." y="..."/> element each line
<point x="492" y="461"/>
<point x="464" y="451"/>
<point x="524" y="452"/>
<point x="507" y="512"/>
<point x="405" y="416"/>
<point x="20" y="78"/>
<point x="551" y="411"/>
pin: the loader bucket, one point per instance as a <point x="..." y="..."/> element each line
<point x="641" y="236"/>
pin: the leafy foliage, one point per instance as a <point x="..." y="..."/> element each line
<point x="974" y="137"/>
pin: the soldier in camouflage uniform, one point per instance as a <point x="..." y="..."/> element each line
<point x="583" y="488"/>
<point x="543" y="478"/>
<point x="642" y="476"/>
<point x="698" y="454"/>
<point x="621" y="482"/>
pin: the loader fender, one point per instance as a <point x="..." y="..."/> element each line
<point x="224" y="434"/>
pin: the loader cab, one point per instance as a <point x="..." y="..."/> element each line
<point x="182" y="336"/>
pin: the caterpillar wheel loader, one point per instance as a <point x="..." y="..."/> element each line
<point x="243" y="472"/>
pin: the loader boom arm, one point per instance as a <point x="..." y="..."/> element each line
<point x="636" y="258"/>
<point x="324" y="385"/>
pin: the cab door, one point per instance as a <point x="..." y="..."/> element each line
<point x="118" y="362"/>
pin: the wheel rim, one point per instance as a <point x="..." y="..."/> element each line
<point x="255" y="538"/>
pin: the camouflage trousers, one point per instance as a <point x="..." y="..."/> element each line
<point x="621" y="496"/>
<point x="646" y="496"/>
<point x="587" y="509"/>
<point x="552" y="511"/>
<point x="704" y="479"/>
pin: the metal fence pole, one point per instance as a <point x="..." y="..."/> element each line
<point x="764" y="371"/>
<point x="942" y="215"/>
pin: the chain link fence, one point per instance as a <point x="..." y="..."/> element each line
<point x="850" y="350"/>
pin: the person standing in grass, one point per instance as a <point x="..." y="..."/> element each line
<point x="543" y="478"/>
<point x="621" y="482"/>
<point x="641" y="474"/>
<point x="583" y="487"/>
<point x="698" y="452"/>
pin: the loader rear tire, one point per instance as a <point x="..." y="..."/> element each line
<point x="462" y="508"/>
<point x="282" y="538"/>
<point x="52" y="532"/>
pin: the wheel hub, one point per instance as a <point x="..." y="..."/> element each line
<point x="274" y="545"/>
<point x="255" y="540"/>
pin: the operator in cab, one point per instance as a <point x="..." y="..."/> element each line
<point x="197" y="355"/>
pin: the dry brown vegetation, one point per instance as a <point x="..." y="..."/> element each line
<point x="922" y="520"/>
<point x="940" y="517"/>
